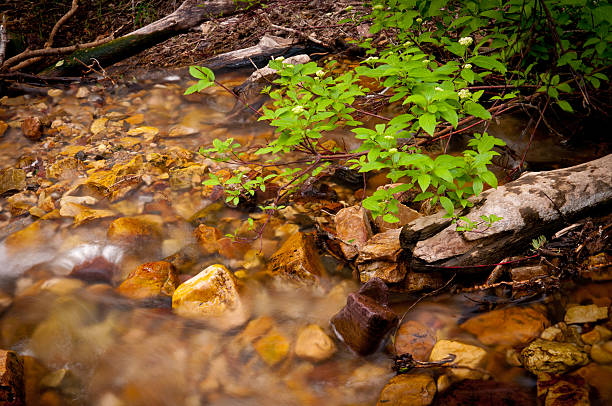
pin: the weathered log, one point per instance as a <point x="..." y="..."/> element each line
<point x="188" y="15"/>
<point x="533" y="205"/>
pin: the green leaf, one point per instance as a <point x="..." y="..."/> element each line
<point x="488" y="62"/>
<point x="428" y="123"/>
<point x="447" y="204"/>
<point x="476" y="110"/>
<point x="489" y="178"/>
<point x="424" y="180"/>
<point x="565" y="106"/>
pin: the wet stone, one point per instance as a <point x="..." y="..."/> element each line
<point x="353" y="229"/>
<point x="552" y="357"/>
<point x="509" y="326"/>
<point x="598" y="334"/>
<point x="602" y="353"/>
<point x="378" y="258"/>
<point x="563" y="390"/>
<point x="212" y="295"/>
<point x="133" y="231"/>
<point x="272" y="347"/>
<point x="314" y="345"/>
<point x="416" y="339"/>
<point x="297" y="261"/>
<point x="32" y="128"/>
<point x="408" y="390"/>
<point x="150" y="280"/>
<point x="12" y="390"/>
<point x="12" y="179"/>
<point x="585" y="314"/>
<point x="207" y="238"/>
<point x="470" y="356"/>
<point x="97" y="269"/>
<point x="365" y="320"/>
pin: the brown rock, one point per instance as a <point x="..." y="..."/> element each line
<point x="233" y="249"/>
<point x="509" y="326"/>
<point x="3" y="127"/>
<point x="416" y="339"/>
<point x="525" y="273"/>
<point x="207" y="238"/>
<point x="297" y="260"/>
<point x="408" y="390"/>
<point x="598" y="334"/>
<point x="12" y="179"/>
<point x="486" y="393"/>
<point x="32" y="128"/>
<point x="272" y="347"/>
<point x="378" y="258"/>
<point x="150" y="280"/>
<point x="365" y="320"/>
<point x="12" y="390"/>
<point x="419" y="281"/>
<point x="313" y="344"/>
<point x="602" y="353"/>
<point x="599" y="378"/>
<point x="97" y="269"/>
<point x="563" y="390"/>
<point x="404" y="214"/>
<point x="353" y="228"/>
<point x="597" y="267"/>
<point x="133" y="231"/>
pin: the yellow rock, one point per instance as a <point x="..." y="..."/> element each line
<point x="272" y="348"/>
<point x="145" y="130"/>
<point x="313" y="344"/>
<point x="150" y="280"/>
<point x="3" y="127"/>
<point x="297" y="260"/>
<point x="135" y="119"/>
<point x="465" y="355"/>
<point x="133" y="230"/>
<point x="98" y="125"/>
<point x="73" y="149"/>
<point x="408" y="390"/>
<point x="82" y="213"/>
<point x="211" y="295"/>
<point x="55" y="92"/>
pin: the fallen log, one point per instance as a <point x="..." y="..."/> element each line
<point x="533" y="205"/>
<point x="188" y="15"/>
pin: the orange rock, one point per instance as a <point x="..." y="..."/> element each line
<point x="509" y="327"/>
<point x="353" y="229"/>
<point x="297" y="260"/>
<point x="133" y="230"/>
<point x="207" y="238"/>
<point x="150" y="280"/>
<point x="416" y="339"/>
<point x="32" y="128"/>
<point x="233" y="249"/>
<point x="408" y="390"/>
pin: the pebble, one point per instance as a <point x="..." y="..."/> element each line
<point x="313" y="344"/>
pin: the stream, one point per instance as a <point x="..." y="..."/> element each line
<point x="129" y="151"/>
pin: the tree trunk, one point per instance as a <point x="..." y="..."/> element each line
<point x="533" y="205"/>
<point x="188" y="15"/>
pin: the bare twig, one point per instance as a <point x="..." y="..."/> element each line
<point x="3" y="39"/>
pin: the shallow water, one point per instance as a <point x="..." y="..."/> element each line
<point x="90" y="345"/>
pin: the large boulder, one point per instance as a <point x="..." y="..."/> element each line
<point x="212" y="296"/>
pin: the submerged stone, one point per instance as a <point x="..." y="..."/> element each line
<point x="486" y="393"/>
<point x="97" y="269"/>
<point x="552" y="357"/>
<point x="272" y="347"/>
<point x="150" y="280"/>
<point x="408" y="390"/>
<point x="212" y="295"/>
<point x="297" y="261"/>
<point x="313" y="344"/>
<point x="32" y="128"/>
<point x="509" y="326"/>
<point x="416" y="339"/>
<point x="207" y="238"/>
<point x="133" y="231"/>
<point x="469" y="356"/>
<point x="563" y="390"/>
<point x="365" y="320"/>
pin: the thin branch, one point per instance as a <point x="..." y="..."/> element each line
<point x="3" y="39"/>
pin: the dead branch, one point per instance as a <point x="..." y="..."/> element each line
<point x="51" y="51"/>
<point x="3" y="39"/>
<point x="49" y="42"/>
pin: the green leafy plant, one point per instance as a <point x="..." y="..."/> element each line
<point x="445" y="68"/>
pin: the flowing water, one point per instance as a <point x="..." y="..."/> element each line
<point x="86" y="344"/>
